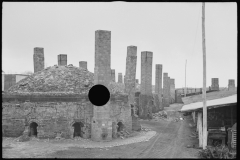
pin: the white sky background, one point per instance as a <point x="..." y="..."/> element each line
<point x="172" y="31"/>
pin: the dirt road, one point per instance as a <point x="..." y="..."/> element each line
<point x="170" y="142"/>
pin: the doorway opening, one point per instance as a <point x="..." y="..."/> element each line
<point x="78" y="129"/>
<point x="33" y="129"/>
<point x="120" y="126"/>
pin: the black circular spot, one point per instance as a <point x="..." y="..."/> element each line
<point x="99" y="95"/>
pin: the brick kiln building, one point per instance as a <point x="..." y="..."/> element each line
<point x="55" y="101"/>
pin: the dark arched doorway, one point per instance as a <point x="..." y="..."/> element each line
<point x="77" y="129"/>
<point x="120" y="126"/>
<point x="132" y="110"/>
<point x="33" y="129"/>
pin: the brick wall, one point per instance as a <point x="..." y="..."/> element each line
<point x="51" y="117"/>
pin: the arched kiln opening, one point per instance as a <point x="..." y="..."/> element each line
<point x="120" y="126"/>
<point x="78" y="129"/>
<point x="33" y="129"/>
<point x="132" y="109"/>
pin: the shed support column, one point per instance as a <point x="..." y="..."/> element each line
<point x="200" y="129"/>
<point x="194" y="117"/>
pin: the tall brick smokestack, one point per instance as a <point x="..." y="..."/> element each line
<point x="83" y="64"/>
<point x="101" y="121"/>
<point x="62" y="59"/>
<point x="38" y="59"/>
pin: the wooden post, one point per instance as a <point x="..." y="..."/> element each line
<point x="194" y="117"/>
<point x="197" y="123"/>
<point x="185" y="76"/>
<point x="200" y="129"/>
<point x="231" y="116"/>
<point x="204" y="80"/>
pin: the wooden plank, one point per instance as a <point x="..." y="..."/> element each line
<point x="200" y="129"/>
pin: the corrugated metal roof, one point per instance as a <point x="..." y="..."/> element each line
<point x="214" y="102"/>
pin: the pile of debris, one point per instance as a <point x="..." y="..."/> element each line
<point x="123" y="134"/>
<point x="160" y="115"/>
<point x="56" y="79"/>
<point x="116" y="88"/>
<point x="145" y="129"/>
<point x="178" y="119"/>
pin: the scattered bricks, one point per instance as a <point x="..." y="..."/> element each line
<point x="23" y="138"/>
<point x="55" y="80"/>
<point x="120" y="78"/>
<point x="38" y="59"/>
<point x="62" y="59"/>
<point x="83" y="64"/>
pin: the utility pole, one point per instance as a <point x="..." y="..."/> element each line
<point x="185" y="77"/>
<point x="204" y="80"/>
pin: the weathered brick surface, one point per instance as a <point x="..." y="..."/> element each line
<point x="165" y="90"/>
<point x="113" y="75"/>
<point x="62" y="59"/>
<point x="51" y="117"/>
<point x="101" y="123"/>
<point x="146" y="99"/>
<point x="102" y="70"/>
<point x="120" y="78"/>
<point x="146" y="103"/>
<point x="172" y="90"/>
<point x="231" y="84"/>
<point x="146" y="72"/>
<point x="215" y="84"/>
<point x="158" y="84"/>
<point x="9" y="80"/>
<point x="38" y="59"/>
<point x="178" y="98"/>
<point x="83" y="64"/>
<point x="130" y="75"/>
<point x="158" y="80"/>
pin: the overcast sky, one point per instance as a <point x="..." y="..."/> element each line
<point x="172" y="31"/>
